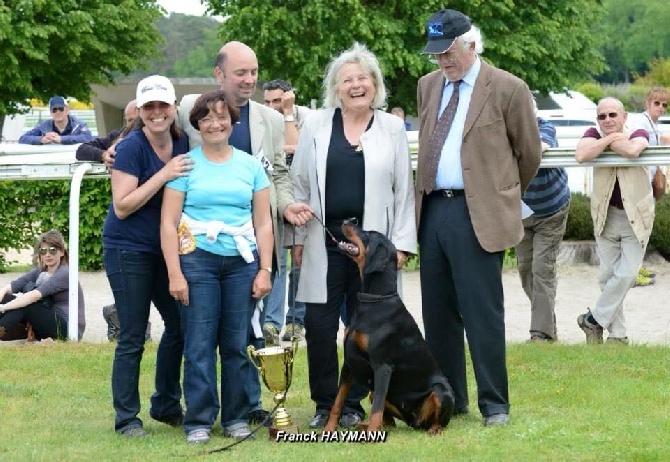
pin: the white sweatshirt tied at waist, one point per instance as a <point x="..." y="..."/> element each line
<point x="243" y="235"/>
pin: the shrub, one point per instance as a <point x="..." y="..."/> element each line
<point x="632" y="96"/>
<point x="29" y="208"/>
<point x="580" y="224"/>
<point x="592" y="91"/>
<point x="660" y="235"/>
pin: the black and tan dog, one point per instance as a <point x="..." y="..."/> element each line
<point x="383" y="346"/>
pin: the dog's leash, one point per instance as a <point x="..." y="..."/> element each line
<point x="250" y="435"/>
<point x="347" y="247"/>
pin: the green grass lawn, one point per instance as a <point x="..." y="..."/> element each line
<point x="569" y="402"/>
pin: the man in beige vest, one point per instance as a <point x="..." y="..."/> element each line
<point x="622" y="208"/>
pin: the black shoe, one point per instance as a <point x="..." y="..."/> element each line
<point x="260" y="416"/>
<point x="465" y="410"/>
<point x="539" y="337"/>
<point x="496" y="420"/>
<point x="319" y="421"/>
<point x="350" y="420"/>
<point x="112" y="320"/>
<point x="174" y="420"/>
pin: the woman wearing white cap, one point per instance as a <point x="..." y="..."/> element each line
<point x="147" y="158"/>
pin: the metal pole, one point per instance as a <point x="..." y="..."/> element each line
<point x="73" y="281"/>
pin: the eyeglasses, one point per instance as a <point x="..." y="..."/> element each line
<point x="611" y="115"/>
<point x="57" y="109"/>
<point x="51" y="250"/>
<point x="658" y="103"/>
<point x="449" y="56"/>
<point x="207" y="121"/>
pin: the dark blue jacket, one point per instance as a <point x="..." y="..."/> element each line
<point x="76" y="132"/>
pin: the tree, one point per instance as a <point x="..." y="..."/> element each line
<point x="189" y="48"/>
<point x="658" y="75"/>
<point x="61" y="47"/>
<point x="547" y="43"/>
<point x="632" y="35"/>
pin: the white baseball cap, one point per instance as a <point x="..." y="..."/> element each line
<point x="155" y="88"/>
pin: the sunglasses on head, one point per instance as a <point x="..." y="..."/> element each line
<point x="658" y="103"/>
<point x="611" y="115"/>
<point x="57" y="109"/>
<point x="51" y="250"/>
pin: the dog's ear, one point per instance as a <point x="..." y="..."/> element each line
<point x="379" y="252"/>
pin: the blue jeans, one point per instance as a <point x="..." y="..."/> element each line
<point x="219" y="313"/>
<point x="296" y="309"/>
<point x="275" y="303"/>
<point x="137" y="279"/>
<point x="276" y="300"/>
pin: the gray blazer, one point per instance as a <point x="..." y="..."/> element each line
<point x="267" y="140"/>
<point x="389" y="196"/>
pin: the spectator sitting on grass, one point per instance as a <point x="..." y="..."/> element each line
<point x="41" y="296"/>
<point x="63" y="128"/>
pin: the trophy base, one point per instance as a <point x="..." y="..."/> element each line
<point x="272" y="431"/>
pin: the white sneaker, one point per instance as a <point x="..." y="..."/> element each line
<point x="198" y="436"/>
<point x="239" y="433"/>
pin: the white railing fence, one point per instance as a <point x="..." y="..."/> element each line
<point x="20" y="162"/>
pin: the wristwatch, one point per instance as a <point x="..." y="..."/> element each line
<point x="268" y="269"/>
<point x="289" y="118"/>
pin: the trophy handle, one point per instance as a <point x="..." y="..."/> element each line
<point x="294" y="345"/>
<point x="251" y="353"/>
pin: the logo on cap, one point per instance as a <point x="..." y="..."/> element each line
<point x="435" y="29"/>
<point x="156" y="86"/>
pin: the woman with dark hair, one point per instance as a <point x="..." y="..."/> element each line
<point x="148" y="157"/>
<point x="41" y="296"/>
<point x="216" y="235"/>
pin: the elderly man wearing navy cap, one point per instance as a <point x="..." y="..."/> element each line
<point x="479" y="148"/>
<point x="62" y="128"/>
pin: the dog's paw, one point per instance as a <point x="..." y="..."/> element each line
<point x="435" y="430"/>
<point x="330" y="427"/>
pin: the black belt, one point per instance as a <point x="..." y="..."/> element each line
<point x="447" y="193"/>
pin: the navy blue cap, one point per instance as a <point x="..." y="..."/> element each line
<point x="57" y="101"/>
<point x="443" y="28"/>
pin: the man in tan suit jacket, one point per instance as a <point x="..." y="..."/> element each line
<point x="473" y="211"/>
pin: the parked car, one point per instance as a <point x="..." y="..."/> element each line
<point x="567" y="100"/>
<point x="570" y="124"/>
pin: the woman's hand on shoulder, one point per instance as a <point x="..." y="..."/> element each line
<point x="178" y="166"/>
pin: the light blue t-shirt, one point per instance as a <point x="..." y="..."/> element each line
<point x="221" y="191"/>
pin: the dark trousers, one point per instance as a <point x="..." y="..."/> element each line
<point x="461" y="286"/>
<point x="137" y="279"/>
<point x="46" y="323"/>
<point x="322" y="321"/>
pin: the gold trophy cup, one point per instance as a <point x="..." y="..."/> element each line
<point x="276" y="367"/>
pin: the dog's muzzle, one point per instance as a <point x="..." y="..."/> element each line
<point x="348" y="248"/>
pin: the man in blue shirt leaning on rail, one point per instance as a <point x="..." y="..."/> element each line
<point x="548" y="196"/>
<point x="62" y="128"/>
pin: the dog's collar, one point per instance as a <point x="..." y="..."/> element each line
<point x="373" y="298"/>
